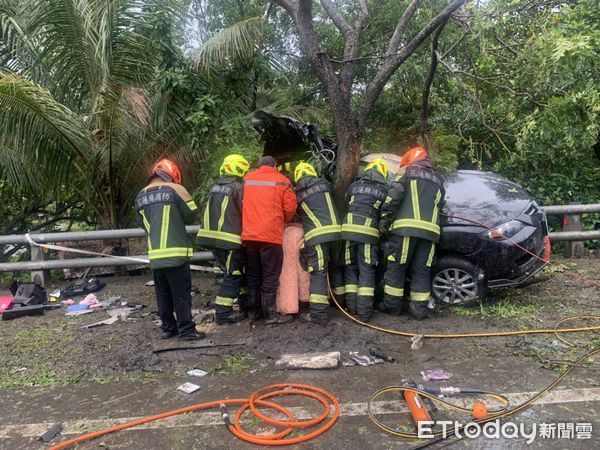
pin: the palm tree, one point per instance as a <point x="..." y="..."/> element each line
<point x="79" y="106"/>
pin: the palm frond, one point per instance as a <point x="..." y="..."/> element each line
<point x="40" y="128"/>
<point x="235" y="42"/>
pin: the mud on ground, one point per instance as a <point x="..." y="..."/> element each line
<point x="55" y="350"/>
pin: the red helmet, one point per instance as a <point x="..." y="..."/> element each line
<point x="166" y="169"/>
<point x="413" y="155"/>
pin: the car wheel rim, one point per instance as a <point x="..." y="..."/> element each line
<point x="453" y="286"/>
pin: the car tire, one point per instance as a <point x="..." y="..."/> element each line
<point x="456" y="281"/>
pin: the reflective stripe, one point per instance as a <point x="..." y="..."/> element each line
<point x="207" y="216"/>
<point x="351" y="289"/>
<point x="347" y="255"/>
<point x="224" y="204"/>
<point x="412" y="223"/>
<point x="391" y="290"/>
<point x="192" y="205"/>
<point x="419" y="296"/>
<point x="222" y="235"/>
<point x="368" y="253"/>
<point x="164" y="230"/>
<point x="170" y="252"/>
<point x="311" y="215"/>
<point x="350" y="218"/>
<point x="320" y="262"/>
<point x="414" y="192"/>
<point x="361" y="229"/>
<point x="368" y="222"/>
<point x="431" y="253"/>
<point x="377" y="204"/>
<point x="147" y="225"/>
<point x="288" y="166"/>
<point x="327" y="229"/>
<point x="236" y="272"/>
<point x="405" y="246"/>
<point x="351" y="200"/>
<point x="228" y="261"/>
<point x="331" y="208"/>
<point x="366" y="291"/>
<point x="318" y="298"/>
<point x="391" y="258"/>
<point x="388" y="199"/>
<point x="224" y="301"/>
<point x="438" y="197"/>
<point x="266" y="183"/>
<point x="339" y="290"/>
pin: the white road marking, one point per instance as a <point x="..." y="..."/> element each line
<point x="82" y="426"/>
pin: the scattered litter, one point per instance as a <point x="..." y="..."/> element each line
<point x="374" y="351"/>
<point x="5" y="303"/>
<point x="207" y="317"/>
<point x="91" y="300"/>
<point x="77" y="310"/>
<point x="68" y="302"/>
<point x="436" y="375"/>
<point x="133" y="305"/>
<point x="365" y="360"/>
<point x="417" y="342"/>
<point x="51" y="433"/>
<point x="350" y="363"/>
<point x="108" y="321"/>
<point x="149" y="283"/>
<point x="326" y="360"/>
<point x="111" y="301"/>
<point x="92" y="285"/>
<point x="120" y="313"/>
<point x="21" y="369"/>
<point x="197" y="373"/>
<point x="188" y="388"/>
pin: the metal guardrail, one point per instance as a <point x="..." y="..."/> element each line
<point x="39" y="265"/>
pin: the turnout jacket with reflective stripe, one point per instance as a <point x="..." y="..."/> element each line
<point x="165" y="209"/>
<point x="222" y="222"/>
<point x="364" y="199"/>
<point x="269" y="202"/>
<point x="412" y="207"/>
<point x="317" y="211"/>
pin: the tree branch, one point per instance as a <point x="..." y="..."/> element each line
<point x="338" y="20"/>
<point x="401" y="26"/>
<point x="393" y="62"/>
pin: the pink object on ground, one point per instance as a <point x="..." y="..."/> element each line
<point x="294" y="282"/>
<point x="90" y="300"/>
<point x="5" y="303"/>
<point x="68" y="302"/>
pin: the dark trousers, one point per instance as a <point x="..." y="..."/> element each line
<point x="360" y="272"/>
<point x="173" y="287"/>
<point x="405" y="252"/>
<point x="232" y="264"/>
<point x="321" y="259"/>
<point x="263" y="266"/>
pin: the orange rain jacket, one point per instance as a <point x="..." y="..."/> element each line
<point x="269" y="203"/>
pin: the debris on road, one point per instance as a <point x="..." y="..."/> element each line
<point x="374" y="351"/>
<point x="197" y="373"/>
<point x="188" y="388"/>
<point x="365" y="360"/>
<point x="324" y="360"/>
<point x="108" y="321"/>
<point x="165" y="345"/>
<point x="51" y="433"/>
<point x="436" y="375"/>
<point x="77" y="310"/>
<point x="149" y="283"/>
<point x="416" y="342"/>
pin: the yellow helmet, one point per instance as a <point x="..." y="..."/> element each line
<point x="235" y="165"/>
<point x="303" y="169"/>
<point x="380" y="165"/>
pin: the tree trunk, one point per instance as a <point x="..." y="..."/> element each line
<point x="348" y="157"/>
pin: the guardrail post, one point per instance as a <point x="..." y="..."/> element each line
<point x="41" y="277"/>
<point x="572" y="222"/>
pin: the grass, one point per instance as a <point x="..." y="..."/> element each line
<point x="238" y="364"/>
<point x="502" y="310"/>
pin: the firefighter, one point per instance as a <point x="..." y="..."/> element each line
<point x="360" y="231"/>
<point x="322" y="231"/>
<point x="221" y="231"/>
<point x="268" y="204"/>
<point x="165" y="207"/>
<point x="411" y="216"/>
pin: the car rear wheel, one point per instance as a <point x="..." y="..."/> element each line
<point x="457" y="281"/>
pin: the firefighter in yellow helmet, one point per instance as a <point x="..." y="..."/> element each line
<point x="360" y="231"/>
<point x="322" y="234"/>
<point x="220" y="232"/>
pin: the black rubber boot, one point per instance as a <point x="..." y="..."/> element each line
<point x="231" y="317"/>
<point x="169" y="334"/>
<point x="269" y="306"/>
<point x="193" y="336"/>
<point x="418" y="310"/>
<point x="252" y="304"/>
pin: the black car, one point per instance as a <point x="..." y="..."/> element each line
<point x="485" y="219"/>
<point x="481" y="210"/>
